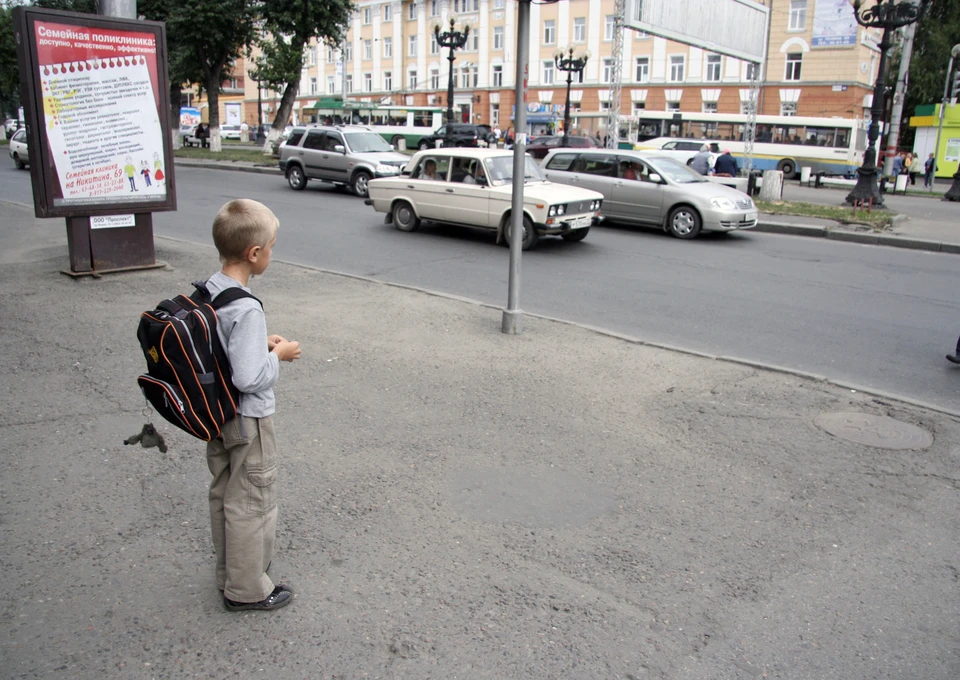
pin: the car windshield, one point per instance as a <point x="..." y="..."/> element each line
<point x="365" y="142"/>
<point x="678" y="172"/>
<point x="500" y="170"/>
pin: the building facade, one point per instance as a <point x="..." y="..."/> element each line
<point x="819" y="63"/>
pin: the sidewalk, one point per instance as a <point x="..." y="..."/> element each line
<point x="459" y="503"/>
<point x="913" y="232"/>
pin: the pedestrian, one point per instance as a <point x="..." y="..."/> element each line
<point x="245" y="132"/>
<point x="929" y="172"/>
<point x="726" y="165"/>
<point x="897" y="165"/>
<point x="955" y="358"/>
<point x="913" y="167"/>
<point x="243" y="459"/>
<point x="701" y="162"/>
<point x="497" y="133"/>
<point x="202" y="134"/>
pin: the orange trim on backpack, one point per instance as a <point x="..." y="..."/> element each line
<point x="170" y="363"/>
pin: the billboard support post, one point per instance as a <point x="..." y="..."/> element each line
<point x="96" y="102"/>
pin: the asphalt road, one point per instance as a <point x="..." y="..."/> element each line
<point x="879" y="317"/>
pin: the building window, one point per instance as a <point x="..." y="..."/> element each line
<point x="547" y="73"/>
<point x="638" y="11"/>
<point x="465" y="77"/>
<point x="475" y="40"/>
<point x="412" y="11"/>
<point x="387" y="80"/>
<point x="494" y="114"/>
<point x="329" y="55"/>
<point x="349" y="85"/>
<point x="474" y="76"/>
<point x="388" y="12"/>
<point x="348" y="52"/>
<point x="794" y="61"/>
<point x="604" y="106"/>
<point x="746" y="107"/>
<point x="312" y="56"/>
<point x="580" y="30"/>
<point x="412" y="80"/>
<point x="368" y="82"/>
<point x="788" y="108"/>
<point x="498" y="37"/>
<point x="673" y="106"/>
<point x="498" y="4"/>
<point x="434" y="45"/>
<point x="233" y="85"/>
<point x="313" y="85"/>
<point x="798" y="15"/>
<point x="387" y="48"/>
<point x="609" y="23"/>
<point x="412" y="46"/>
<point x="435" y="79"/>
<point x="639" y="106"/>
<point x="643" y="70"/>
<point x="640" y="35"/>
<point x="607" y="71"/>
<point x="753" y="72"/>
<point x="677" y="62"/>
<point x="331" y="84"/>
<point x="710" y="107"/>
<point x="434" y="8"/>
<point x="497" y="76"/>
<point x="366" y="15"/>
<point x="367" y="50"/>
<point x="549" y="32"/>
<point x="713" y="68"/>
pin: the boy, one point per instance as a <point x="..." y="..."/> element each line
<point x="243" y="501"/>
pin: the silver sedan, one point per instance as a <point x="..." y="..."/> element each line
<point x="647" y="189"/>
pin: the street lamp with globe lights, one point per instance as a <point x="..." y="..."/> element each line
<point x="454" y="39"/>
<point x="888" y="15"/>
<point x="565" y="61"/>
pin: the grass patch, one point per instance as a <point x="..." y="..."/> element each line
<point x="249" y="155"/>
<point x="877" y="219"/>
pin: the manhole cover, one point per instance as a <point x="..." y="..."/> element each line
<point x="878" y="431"/>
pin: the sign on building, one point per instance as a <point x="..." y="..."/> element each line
<point x="834" y="24"/>
<point x="736" y="28"/>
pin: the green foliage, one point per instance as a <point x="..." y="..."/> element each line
<point x="9" y="74"/>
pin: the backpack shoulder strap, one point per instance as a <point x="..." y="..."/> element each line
<point x="229" y="295"/>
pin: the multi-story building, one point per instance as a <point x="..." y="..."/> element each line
<point x="819" y="63"/>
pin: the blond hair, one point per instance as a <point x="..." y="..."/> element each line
<point x="241" y="224"/>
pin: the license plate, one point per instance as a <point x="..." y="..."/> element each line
<point x="580" y="223"/>
<point x="751" y="216"/>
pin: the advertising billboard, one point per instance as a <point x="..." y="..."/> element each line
<point x="834" y="24"/>
<point x="96" y="99"/>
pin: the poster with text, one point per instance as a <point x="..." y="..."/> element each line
<point x="834" y="24"/>
<point x="101" y="114"/>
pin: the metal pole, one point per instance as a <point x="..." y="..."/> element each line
<point x="123" y="9"/>
<point x="512" y="316"/>
<point x="893" y="136"/>
<point x="943" y="105"/>
<point x="868" y="188"/>
<point x="450" y="58"/>
<point x="566" y="110"/>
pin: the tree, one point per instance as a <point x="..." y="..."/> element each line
<point x="289" y="27"/>
<point x="937" y="33"/>
<point x="9" y="73"/>
<point x="213" y="33"/>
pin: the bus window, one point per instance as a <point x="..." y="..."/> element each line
<point x="843" y="139"/>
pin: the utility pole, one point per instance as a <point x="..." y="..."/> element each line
<point x="893" y="136"/>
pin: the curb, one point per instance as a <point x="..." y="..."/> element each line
<point x="228" y="165"/>
<point x="868" y="238"/>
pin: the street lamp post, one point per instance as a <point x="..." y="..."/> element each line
<point x="453" y="39"/>
<point x="565" y="61"/>
<point x="888" y="15"/>
<point x="953" y="193"/>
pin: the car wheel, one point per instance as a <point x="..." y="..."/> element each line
<point x="424" y="145"/>
<point x="576" y="235"/>
<point x="404" y="217"/>
<point x="684" y="222"/>
<point x="530" y="235"/>
<point x="359" y="184"/>
<point x="19" y="163"/>
<point x="787" y="168"/>
<point x="295" y="178"/>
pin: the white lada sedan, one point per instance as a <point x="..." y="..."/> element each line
<point x="474" y="188"/>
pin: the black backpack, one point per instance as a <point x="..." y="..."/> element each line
<point x="188" y="379"/>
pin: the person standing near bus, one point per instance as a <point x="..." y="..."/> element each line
<point x="701" y="162"/>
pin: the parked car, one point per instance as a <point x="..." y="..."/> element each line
<point x="651" y="189"/>
<point x="230" y="132"/>
<point x="18" y="149"/>
<point x="539" y="147"/>
<point x="683" y="150"/>
<point x="349" y="155"/>
<point x="461" y="134"/>
<point x="474" y="188"/>
<point x="10" y="125"/>
<point x="188" y="135"/>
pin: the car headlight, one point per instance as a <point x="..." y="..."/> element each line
<point x="723" y="203"/>
<point x="386" y="169"/>
<point x="552" y="212"/>
<point x="594" y="205"/>
<point x="561" y="209"/>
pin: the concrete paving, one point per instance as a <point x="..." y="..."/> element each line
<point x="459" y="503"/>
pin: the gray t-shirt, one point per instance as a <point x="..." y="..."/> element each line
<point x="242" y="328"/>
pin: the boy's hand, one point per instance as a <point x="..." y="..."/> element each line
<point x="287" y="350"/>
<point x="273" y="341"/>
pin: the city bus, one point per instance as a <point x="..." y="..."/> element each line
<point x="832" y="146"/>
<point x="402" y="126"/>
